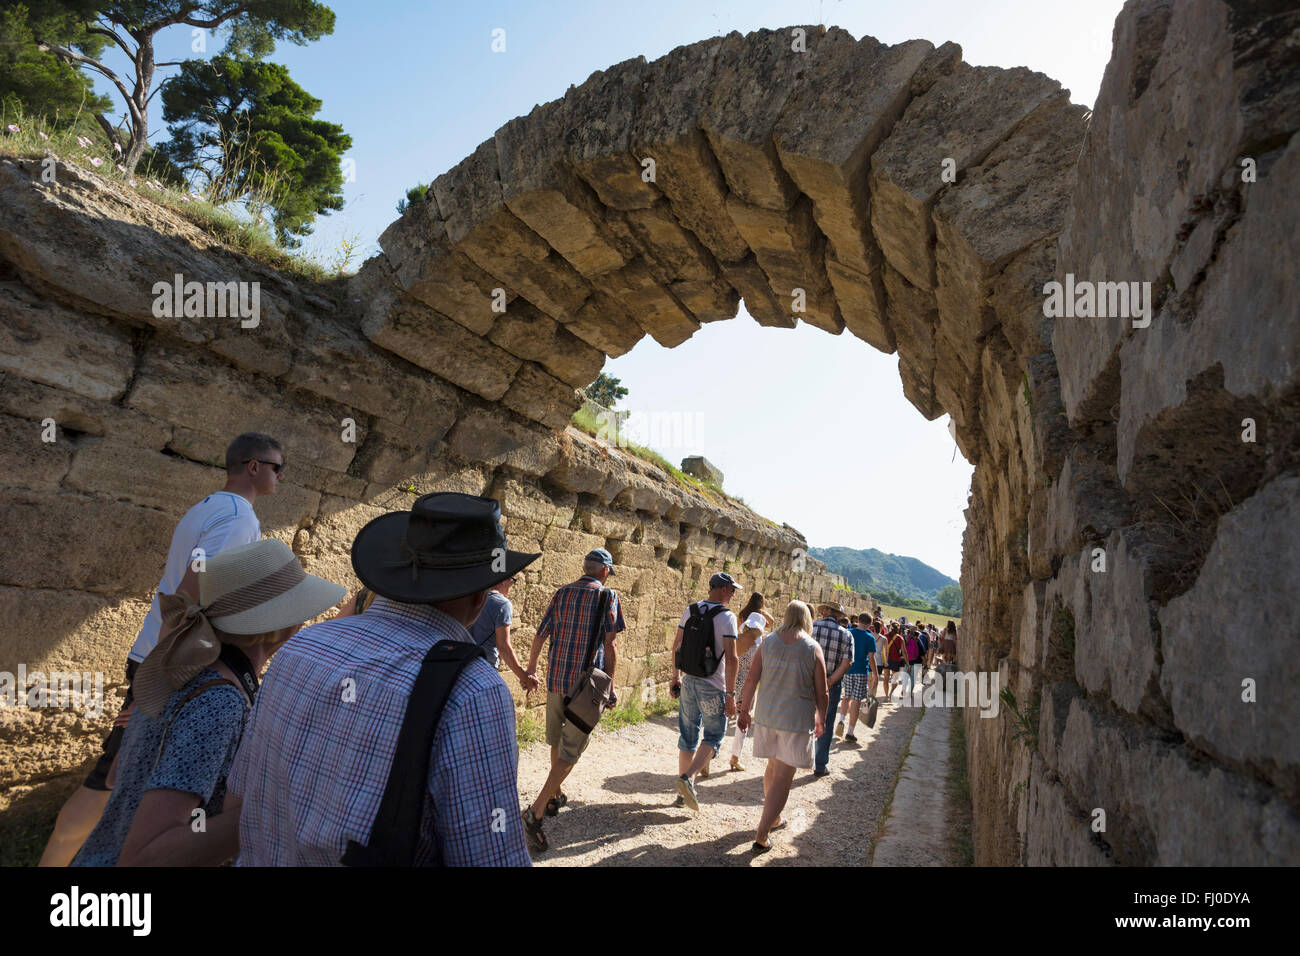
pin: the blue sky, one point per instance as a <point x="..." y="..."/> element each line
<point x="809" y="428"/>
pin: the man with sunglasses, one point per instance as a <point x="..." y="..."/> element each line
<point x="223" y="520"/>
<point x="491" y="631"/>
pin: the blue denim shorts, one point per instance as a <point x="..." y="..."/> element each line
<point x="701" y="704"/>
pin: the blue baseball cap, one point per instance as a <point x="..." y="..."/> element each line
<point x="603" y="556"/>
<point x="723" y="580"/>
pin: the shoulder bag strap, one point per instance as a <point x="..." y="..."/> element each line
<point x="597" y="627"/>
<point x="201" y="689"/>
<point x="396" y="830"/>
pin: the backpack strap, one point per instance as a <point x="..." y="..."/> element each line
<point x="396" y="829"/>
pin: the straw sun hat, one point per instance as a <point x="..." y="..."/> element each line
<point x="245" y="594"/>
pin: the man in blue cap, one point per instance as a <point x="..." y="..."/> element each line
<point x="569" y="623"/>
<point x="708" y="697"/>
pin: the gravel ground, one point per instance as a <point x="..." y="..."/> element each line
<point x="621" y="794"/>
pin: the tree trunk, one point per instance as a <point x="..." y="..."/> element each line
<point x="138" y="103"/>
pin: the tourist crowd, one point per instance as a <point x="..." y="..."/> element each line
<point x="385" y="734"/>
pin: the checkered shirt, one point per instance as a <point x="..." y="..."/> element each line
<point x="568" y="622"/>
<point x="320" y="741"/>
<point x="836" y="642"/>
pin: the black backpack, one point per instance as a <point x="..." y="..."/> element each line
<point x="697" y="656"/>
<point x="396" y="829"/>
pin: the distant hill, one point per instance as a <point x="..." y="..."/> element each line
<point x="873" y="570"/>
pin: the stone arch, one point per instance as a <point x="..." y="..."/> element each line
<point x="821" y="169"/>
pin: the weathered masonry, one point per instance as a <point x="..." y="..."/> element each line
<point x="1131" y="557"/>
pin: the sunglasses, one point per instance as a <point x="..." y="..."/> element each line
<point x="276" y="466"/>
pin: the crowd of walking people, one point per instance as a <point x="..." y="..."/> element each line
<point x="385" y="734"/>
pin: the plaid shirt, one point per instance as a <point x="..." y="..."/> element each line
<point x="568" y="622"/>
<point x="836" y="642"/>
<point x="321" y="738"/>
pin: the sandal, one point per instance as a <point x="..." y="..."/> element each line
<point x="736" y="764"/>
<point x="553" y="805"/>
<point x="759" y="848"/>
<point x="533" y="832"/>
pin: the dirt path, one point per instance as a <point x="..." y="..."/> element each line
<point x="621" y="794"/>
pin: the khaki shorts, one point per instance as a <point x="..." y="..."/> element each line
<point x="561" y="733"/>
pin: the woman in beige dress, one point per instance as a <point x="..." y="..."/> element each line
<point x="791" y="710"/>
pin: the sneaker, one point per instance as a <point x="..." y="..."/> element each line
<point x="850" y="738"/>
<point x="822" y="773"/>
<point x="686" y="787"/>
<point x="679" y="802"/>
<point x="839" y="729"/>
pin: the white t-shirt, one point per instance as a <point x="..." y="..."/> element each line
<point x="724" y="628"/>
<point x="220" y="521"/>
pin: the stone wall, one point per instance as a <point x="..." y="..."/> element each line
<point x="815" y="178"/>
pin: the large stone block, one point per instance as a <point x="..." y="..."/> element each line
<point x="102" y="466"/>
<point x="59" y="630"/>
<point x="45" y="343"/>
<point x="1115" y="643"/>
<point x="421" y="405"/>
<point x="79" y="542"/>
<point x="434" y="342"/>
<point x="962" y="117"/>
<point x="287" y="510"/>
<point x="650" y="304"/>
<point x="586" y="466"/>
<point x="25" y="458"/>
<point x="187" y="388"/>
<point x="1157" y="798"/>
<point x="605" y="323"/>
<point x="913" y="317"/>
<point x="75" y="413"/>
<point x="543" y="190"/>
<point x="423" y="263"/>
<point x="831" y="124"/>
<point x="541" y="397"/>
<point x="1174" y="65"/>
<point x="528" y="334"/>
<point x="666" y="130"/>
<point x="1058" y="835"/>
<point x="484" y="437"/>
<point x="753" y="77"/>
<point x="597" y="139"/>
<point x="861" y="299"/>
<point x="1159" y="364"/>
<point x="480" y="226"/>
<point x="790" y="249"/>
<point x="120" y="253"/>
<point x="1236" y="623"/>
<point x="1016" y="197"/>
<point x="750" y="281"/>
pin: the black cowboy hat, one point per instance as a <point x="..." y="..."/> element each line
<point x="448" y="545"/>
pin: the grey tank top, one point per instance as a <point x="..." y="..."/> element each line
<point x="786" y="687"/>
